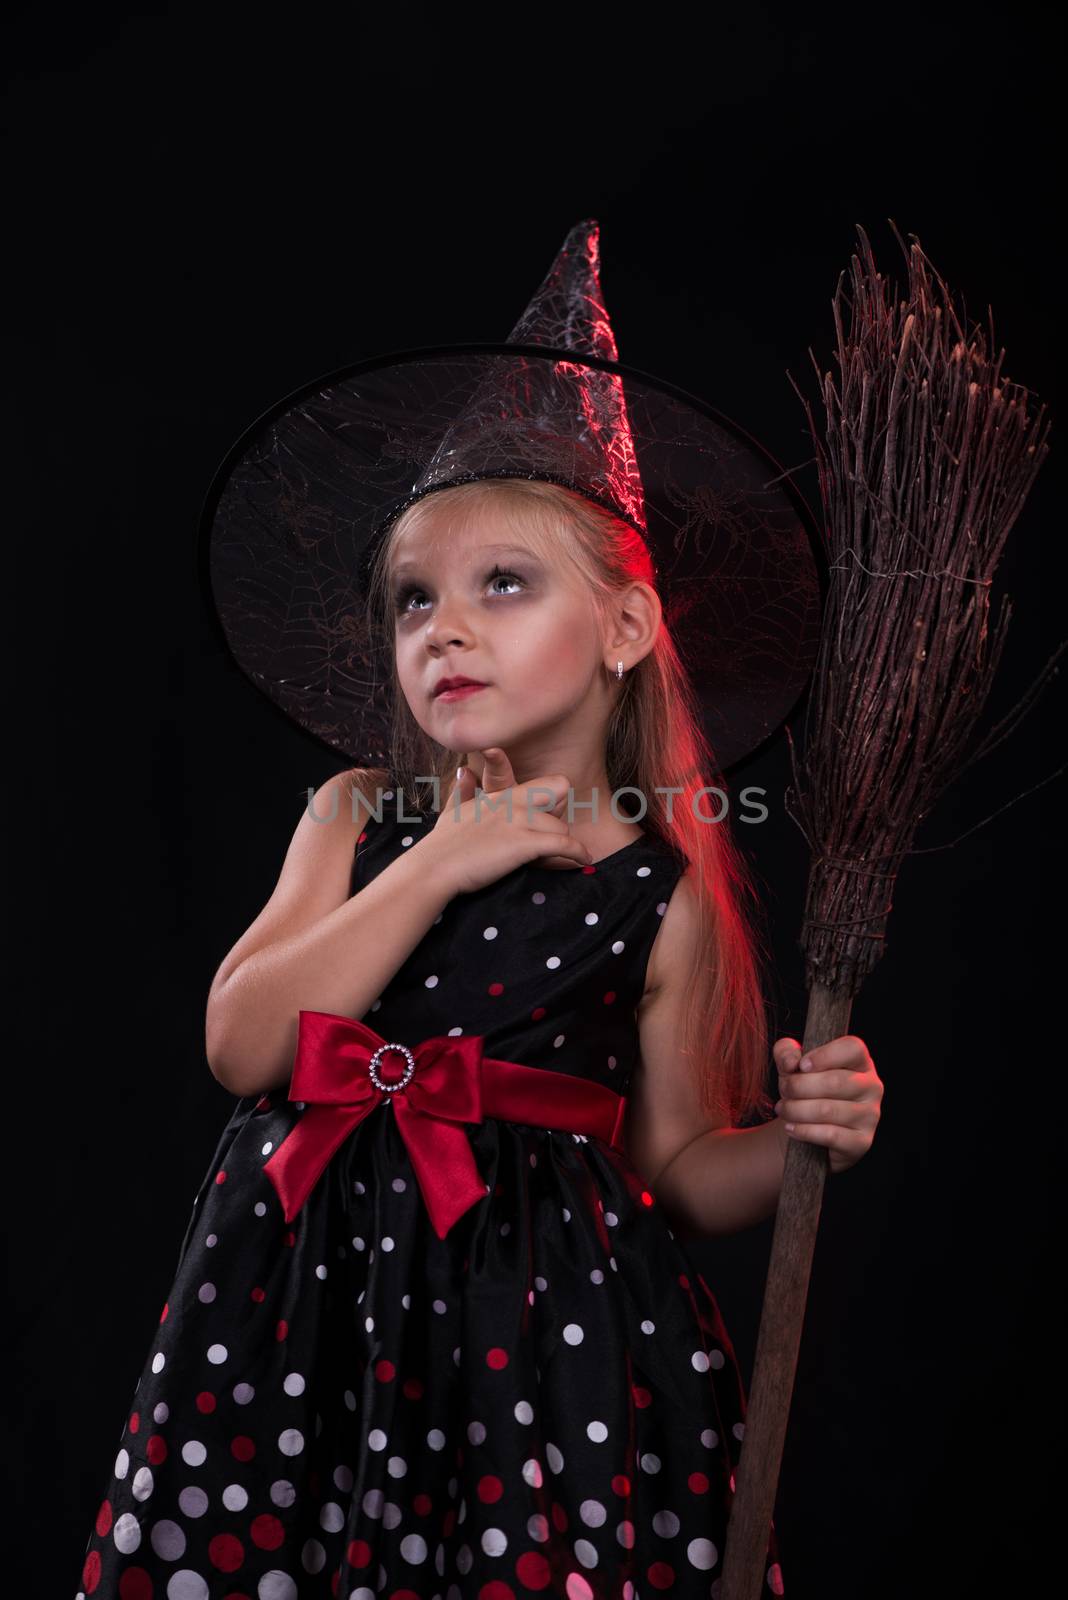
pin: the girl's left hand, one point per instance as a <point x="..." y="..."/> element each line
<point x="837" y="1102"/>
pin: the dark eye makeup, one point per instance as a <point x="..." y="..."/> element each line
<point x="404" y="591"/>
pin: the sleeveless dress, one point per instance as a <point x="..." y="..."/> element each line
<point x="544" y="1402"/>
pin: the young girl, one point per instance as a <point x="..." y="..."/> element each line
<point x="433" y="1331"/>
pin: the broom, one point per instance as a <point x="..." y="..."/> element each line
<point x="928" y="456"/>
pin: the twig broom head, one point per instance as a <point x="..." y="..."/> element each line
<point x="925" y="459"/>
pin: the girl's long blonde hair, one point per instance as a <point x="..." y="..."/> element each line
<point x="655" y="737"/>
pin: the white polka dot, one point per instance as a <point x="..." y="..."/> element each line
<point x="625" y="1535"/>
<point x="702" y="1553"/>
<point x="610" y="1219"/>
<point x="715" y="1359"/>
<point x="476" y="1432"/>
<point x="167" y="1540"/>
<point x="709" y="1438"/>
<point x="186" y="1585"/>
<point x="439" y="1306"/>
<point x="211" y="1240"/>
<point x="159" y="1361"/>
<point x="283" y="1493"/>
<point x="407" y="840"/>
<point x="494" y="1541"/>
<point x="372" y="1503"/>
<point x="558" y="1041"/>
<point x="206" y="1293"/>
<point x="435" y="1439"/>
<point x="618" y="947"/>
<point x="666" y="1524"/>
<point x="489" y="933"/>
<point x="592" y="1513"/>
<point x="576" y="1587"/>
<point x="294" y="1383"/>
<point x="194" y="1453"/>
<point x="397" y="1467"/>
<point x="331" y="1517"/>
<point x="596" y="1276"/>
<point x="532" y="1473"/>
<point x="243" y="1393"/>
<point x="649" y="1462"/>
<point x="643" y="872"/>
<point x="591" y="918"/>
<point x="699" y="1361"/>
<point x="275" y="1585"/>
<point x="193" y="1502"/>
<point x="553" y="962"/>
<point x="432" y="981"/>
<point x="739" y="1430"/>
<point x="260" y="1209"/>
<point x="161" y="1412"/>
<point x="597" y="1432"/>
<point x="320" y="1272"/>
<point x="538" y="1527"/>
<point x="376" y="1439"/>
<point x="217" y="1354"/>
<point x="399" y="1185"/>
<point x="413" y="1548"/>
<point x="524" y="1412"/>
<point x="648" y="1327"/>
<point x="267" y="1148"/>
<point x="127" y="1533"/>
<point x="143" y="1483"/>
<point x="234" y="1497"/>
<point x="586" y="1553"/>
<point x="538" y="899"/>
<point x="554" y="1458"/>
<point x="291" y="1441"/>
<point x="573" y="1333"/>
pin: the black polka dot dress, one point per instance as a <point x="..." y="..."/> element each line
<point x="543" y="1402"/>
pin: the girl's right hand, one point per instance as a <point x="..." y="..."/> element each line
<point x="472" y="850"/>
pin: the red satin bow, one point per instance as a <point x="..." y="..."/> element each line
<point x="453" y="1083"/>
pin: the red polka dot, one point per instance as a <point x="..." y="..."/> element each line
<point x="698" y="1483"/>
<point x="165" y="1313"/>
<point x="205" y="1402"/>
<point x="404" y="1594"/>
<point x="642" y="1398"/>
<point x="490" y="1489"/>
<point x="104" y="1518"/>
<point x="225" y="1552"/>
<point x="257" y="1295"/>
<point x="156" y="1449"/>
<point x="242" y="1448"/>
<point x="497" y="1358"/>
<point x="266" y="1532"/>
<point x="135" y="1584"/>
<point x="532" y="1570"/>
<point x="91" y="1571"/>
<point x="621" y="1484"/>
<point x="647" y="1198"/>
<point x="220" y="1176"/>
<point x="609" y="997"/>
<point x="134" y="1423"/>
<point x="495" y="988"/>
<point x="385" y="1371"/>
<point x="282" y="1330"/>
<point x="684" y="1281"/>
<point x="559" y="1516"/>
<point x="591" y="867"/>
<point x="496" y="1590"/>
<point x="537" y="1014"/>
<point x="290" y="1239"/>
<point x="422" y="1505"/>
<point x="359" y="1553"/>
<point x="412" y="1388"/>
<point x="661" y="1575"/>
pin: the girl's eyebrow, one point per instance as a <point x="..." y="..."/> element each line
<point x="500" y="549"/>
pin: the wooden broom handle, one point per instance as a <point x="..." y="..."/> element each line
<point x="786" y="1292"/>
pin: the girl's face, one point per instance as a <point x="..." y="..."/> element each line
<point x="480" y="604"/>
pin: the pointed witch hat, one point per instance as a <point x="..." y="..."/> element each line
<point x="295" y="512"/>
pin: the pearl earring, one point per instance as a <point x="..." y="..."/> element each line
<point x="619" y="669"/>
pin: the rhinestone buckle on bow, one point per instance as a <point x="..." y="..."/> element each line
<point x="391" y="1088"/>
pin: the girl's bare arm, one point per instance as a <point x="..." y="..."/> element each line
<point x="314" y="948"/>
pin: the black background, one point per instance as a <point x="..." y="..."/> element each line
<point x="209" y="209"/>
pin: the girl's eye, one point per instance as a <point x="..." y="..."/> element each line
<point x="406" y="591"/>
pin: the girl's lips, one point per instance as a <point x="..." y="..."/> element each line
<point x="458" y="694"/>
